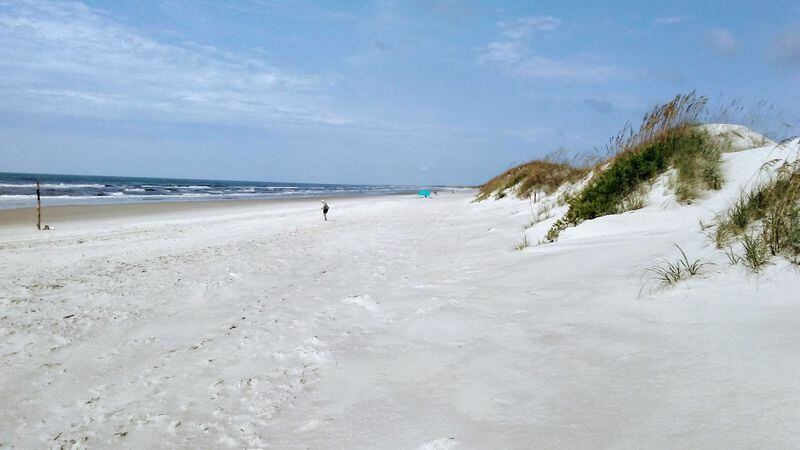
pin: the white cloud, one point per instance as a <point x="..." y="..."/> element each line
<point x="511" y="54"/>
<point x="59" y="57"/>
<point x="671" y="20"/>
<point x="570" y="69"/>
<point x="608" y="103"/>
<point x="523" y="27"/>
<point x="722" y="42"/>
<point x="507" y="52"/>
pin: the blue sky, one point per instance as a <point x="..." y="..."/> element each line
<point x="411" y="92"/>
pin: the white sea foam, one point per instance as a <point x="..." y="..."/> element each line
<point x="52" y="185"/>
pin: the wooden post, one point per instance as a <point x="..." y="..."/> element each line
<point x="38" y="207"/>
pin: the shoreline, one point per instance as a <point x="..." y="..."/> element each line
<point x="55" y="214"/>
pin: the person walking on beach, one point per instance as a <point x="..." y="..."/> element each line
<point x="325" y="209"/>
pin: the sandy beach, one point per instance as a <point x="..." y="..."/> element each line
<point x="552" y="225"/>
<point x="399" y="323"/>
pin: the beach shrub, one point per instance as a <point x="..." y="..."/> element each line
<point x="666" y="135"/>
<point x="627" y="172"/>
<point x="607" y="192"/>
<point x="556" y="229"/>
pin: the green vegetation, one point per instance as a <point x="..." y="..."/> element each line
<point x="698" y="166"/>
<point x="635" y="200"/>
<point x="755" y="252"/>
<point x="525" y="243"/>
<point x="667" y="137"/>
<point x="628" y="171"/>
<point x="671" y="273"/>
<point x="766" y="220"/>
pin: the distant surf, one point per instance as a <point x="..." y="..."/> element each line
<point x="18" y="190"/>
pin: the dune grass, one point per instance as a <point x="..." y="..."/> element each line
<point x="698" y="167"/>
<point x="766" y="220"/>
<point x="761" y="116"/>
<point x="633" y="201"/>
<point x="523" y="244"/>
<point x="671" y="273"/>
<point x="539" y="175"/>
<point x="540" y="213"/>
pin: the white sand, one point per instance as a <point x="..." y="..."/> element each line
<point x="400" y="323"/>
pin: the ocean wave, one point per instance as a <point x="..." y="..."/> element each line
<point x="53" y="186"/>
<point x="20" y="192"/>
<point x="16" y="197"/>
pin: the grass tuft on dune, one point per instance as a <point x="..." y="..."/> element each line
<point x="765" y="221"/>
<point x="539" y="175"/>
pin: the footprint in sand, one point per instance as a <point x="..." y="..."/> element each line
<point x="312" y="425"/>
<point x="362" y="301"/>
<point x="439" y="444"/>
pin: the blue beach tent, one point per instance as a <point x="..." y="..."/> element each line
<point x="424" y="193"/>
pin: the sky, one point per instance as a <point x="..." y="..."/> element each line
<point x="384" y="92"/>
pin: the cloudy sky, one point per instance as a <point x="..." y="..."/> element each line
<point x="415" y="91"/>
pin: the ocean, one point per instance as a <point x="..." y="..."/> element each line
<point x="18" y="190"/>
